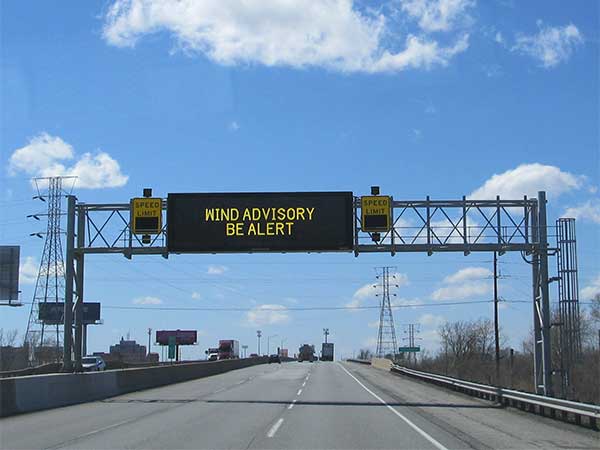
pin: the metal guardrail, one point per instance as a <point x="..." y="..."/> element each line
<point x="510" y="397"/>
<point x="360" y="361"/>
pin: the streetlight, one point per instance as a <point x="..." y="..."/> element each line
<point x="326" y="333"/>
<point x="258" y="334"/>
<point x="268" y="344"/>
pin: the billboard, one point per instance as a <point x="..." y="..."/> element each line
<point x="182" y="337"/>
<point x="52" y="313"/>
<point x="260" y="222"/>
<point x="9" y="272"/>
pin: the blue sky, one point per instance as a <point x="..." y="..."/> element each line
<point x="421" y="97"/>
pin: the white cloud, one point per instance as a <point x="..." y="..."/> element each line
<point x="528" y="179"/>
<point x="196" y="295"/>
<point x="460" y="291"/>
<point x="499" y="38"/>
<point x="438" y="15"/>
<point x="588" y="211"/>
<point x="370" y="290"/>
<point x="148" y="300"/>
<point x="374" y="324"/>
<point x="431" y="320"/>
<point x="551" y="45"/>
<point x="46" y="156"/>
<point x="354" y="304"/>
<point x="465" y="283"/>
<point x="234" y="126"/>
<point x="303" y="33"/>
<point x="468" y="274"/>
<point x="28" y="270"/>
<point x="268" y="315"/>
<point x="591" y="290"/>
<point x="217" y="270"/>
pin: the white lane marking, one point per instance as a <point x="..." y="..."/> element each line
<point x="304" y="384"/>
<point x="292" y="404"/>
<point x="299" y="392"/>
<point x="412" y="425"/>
<point x="274" y="428"/>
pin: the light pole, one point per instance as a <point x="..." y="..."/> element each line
<point x="258" y="334"/>
<point x="268" y="343"/>
<point x="326" y="333"/>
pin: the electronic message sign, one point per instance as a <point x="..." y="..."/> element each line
<point x="260" y="222"/>
<point x="52" y="313"/>
<point x="146" y="215"/>
<point x="376" y="212"/>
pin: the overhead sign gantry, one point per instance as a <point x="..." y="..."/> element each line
<point x="310" y="222"/>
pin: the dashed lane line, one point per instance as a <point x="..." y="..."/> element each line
<point x="275" y="427"/>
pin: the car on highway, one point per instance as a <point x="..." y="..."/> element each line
<point x="213" y="356"/>
<point x="274" y="359"/>
<point x="93" y="364"/>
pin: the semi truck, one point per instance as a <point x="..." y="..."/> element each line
<point x="306" y="353"/>
<point x="229" y="349"/>
<point x="327" y="351"/>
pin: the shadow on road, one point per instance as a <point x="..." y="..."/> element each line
<point x="307" y="403"/>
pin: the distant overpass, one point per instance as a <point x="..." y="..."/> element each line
<point x="293" y="405"/>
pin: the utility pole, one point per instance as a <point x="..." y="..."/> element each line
<point x="326" y="333"/>
<point x="149" y="341"/>
<point x="258" y="335"/>
<point x="411" y="329"/>
<point x="496" y="330"/>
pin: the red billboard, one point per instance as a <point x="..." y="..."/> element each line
<point x="182" y="337"/>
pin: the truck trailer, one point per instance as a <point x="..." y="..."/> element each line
<point x="306" y="353"/>
<point x="327" y="351"/>
<point x="229" y="349"/>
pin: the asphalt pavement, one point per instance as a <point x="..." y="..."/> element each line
<point x="293" y="405"/>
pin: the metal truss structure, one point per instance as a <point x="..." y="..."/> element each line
<point x="45" y="340"/>
<point x="568" y="299"/>
<point x="386" y="336"/>
<point x="426" y="226"/>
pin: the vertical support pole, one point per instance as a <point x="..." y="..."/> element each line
<point x="535" y="275"/>
<point x="545" y="295"/>
<point x="68" y="314"/>
<point x="498" y="221"/>
<point x="428" y="227"/>
<point x="79" y="287"/>
<point x="84" y="341"/>
<point x="464" y="222"/>
<point x="355" y="209"/>
<point x="496" y="327"/>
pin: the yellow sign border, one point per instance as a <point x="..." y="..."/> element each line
<point x="157" y="213"/>
<point x="388" y="212"/>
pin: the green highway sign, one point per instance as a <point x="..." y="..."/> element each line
<point x="409" y="349"/>
<point x="172" y="342"/>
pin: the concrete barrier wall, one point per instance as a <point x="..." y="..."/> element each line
<point x="37" y="392"/>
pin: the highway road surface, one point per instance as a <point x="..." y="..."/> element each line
<point x="293" y="405"/>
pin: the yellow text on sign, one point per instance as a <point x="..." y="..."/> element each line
<point x="375" y="206"/>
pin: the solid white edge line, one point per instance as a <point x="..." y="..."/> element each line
<point x="412" y="425"/>
<point x="299" y="392"/>
<point x="275" y="427"/>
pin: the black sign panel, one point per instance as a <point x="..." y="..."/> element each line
<point x="52" y="313"/>
<point x="260" y="222"/>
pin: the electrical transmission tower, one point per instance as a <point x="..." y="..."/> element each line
<point x="44" y="340"/>
<point x="386" y="338"/>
